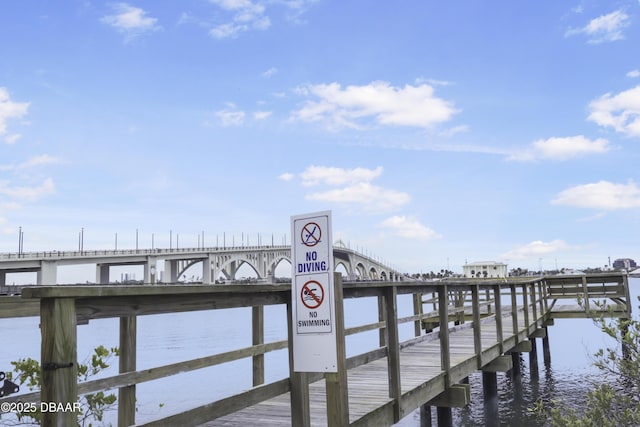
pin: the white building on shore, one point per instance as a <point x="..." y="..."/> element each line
<point x="485" y="269"/>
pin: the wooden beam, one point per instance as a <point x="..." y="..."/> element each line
<point x="456" y="396"/>
<point x="539" y="333"/>
<point x="501" y="364"/>
<point x="521" y="347"/>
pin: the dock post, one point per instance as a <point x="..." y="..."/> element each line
<point x="533" y="359"/>
<point x="300" y="412"/>
<point x="58" y="359"/>
<point x="417" y="310"/>
<point x="336" y="382"/>
<point x="444" y="417"/>
<point x="425" y="416"/>
<point x="444" y="413"/>
<point x="514" y="313"/>
<point x="127" y="395"/>
<point x="382" y="334"/>
<point x="257" y="332"/>
<point x="443" y="313"/>
<point x="490" y="388"/>
<point x="546" y="351"/>
<point x="477" y="331"/>
<point x="393" y="350"/>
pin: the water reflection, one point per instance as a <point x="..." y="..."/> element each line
<point x="519" y="389"/>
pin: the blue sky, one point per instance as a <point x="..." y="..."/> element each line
<point x="436" y="132"/>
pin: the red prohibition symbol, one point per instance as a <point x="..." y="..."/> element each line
<point x="312" y="294"/>
<point x="311" y="234"/>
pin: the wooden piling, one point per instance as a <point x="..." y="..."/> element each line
<point x="127" y="395"/>
<point x="257" y="338"/>
<point x="59" y="359"/>
<point x="336" y="382"/>
<point x="393" y="349"/>
<point x="546" y="351"/>
<point x="299" y="382"/>
<point x="490" y="388"/>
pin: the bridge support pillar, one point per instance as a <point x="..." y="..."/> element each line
<point x="150" y="270"/>
<point x="206" y="271"/>
<point x="490" y="388"/>
<point x="170" y="271"/>
<point x="48" y="273"/>
<point x="102" y="274"/>
<point x="3" y="278"/>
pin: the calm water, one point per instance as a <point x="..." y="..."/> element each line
<point x="165" y="339"/>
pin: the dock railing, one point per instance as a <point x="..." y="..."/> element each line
<point x="501" y="313"/>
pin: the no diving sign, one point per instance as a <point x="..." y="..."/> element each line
<point x="314" y="342"/>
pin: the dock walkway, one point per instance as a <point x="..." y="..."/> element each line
<point x="460" y="327"/>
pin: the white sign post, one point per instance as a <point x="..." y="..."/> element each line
<point x="314" y="334"/>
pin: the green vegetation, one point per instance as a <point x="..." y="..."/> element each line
<point x="27" y="372"/>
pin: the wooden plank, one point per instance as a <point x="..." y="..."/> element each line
<point x="15" y="306"/>
<point x="202" y="414"/>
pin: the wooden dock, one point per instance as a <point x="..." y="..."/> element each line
<point x="487" y="322"/>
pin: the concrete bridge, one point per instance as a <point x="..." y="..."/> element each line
<point x="223" y="262"/>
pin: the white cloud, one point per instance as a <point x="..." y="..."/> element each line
<point x="536" y="249"/>
<point x="315" y="175"/>
<point x="561" y="148"/>
<point x="130" y="21"/>
<point x="621" y="111"/>
<point x="369" y="197"/>
<point x="12" y="138"/>
<point x="270" y="72"/>
<point x="378" y="101"/>
<point x="409" y="228"/>
<point x="230" y="117"/>
<point x="262" y="115"/>
<point x="633" y="74"/>
<point x="601" y="195"/>
<point x="355" y="189"/>
<point x="447" y="133"/>
<point x="10" y="110"/>
<point x="41" y="160"/>
<point x="27" y="193"/>
<point x="605" y="28"/>
<point x="247" y="15"/>
<point x="286" y="176"/>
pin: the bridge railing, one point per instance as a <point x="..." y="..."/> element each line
<point x="501" y="315"/>
<point x="127" y="252"/>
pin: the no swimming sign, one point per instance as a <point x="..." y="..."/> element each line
<point x="314" y="337"/>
